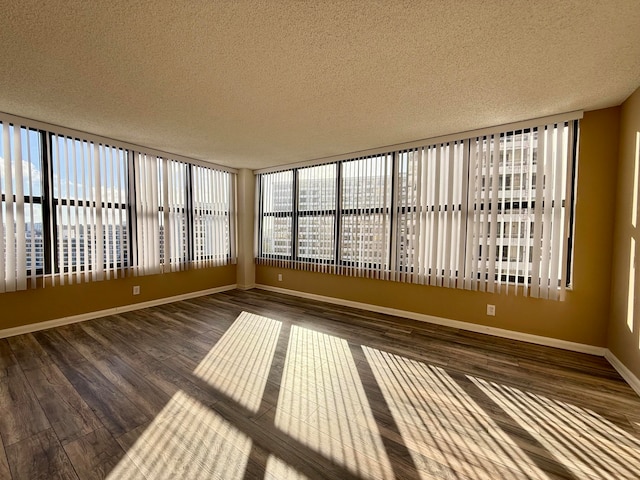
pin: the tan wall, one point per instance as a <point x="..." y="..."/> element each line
<point x="246" y="218"/>
<point x="624" y="326"/>
<point x="32" y="306"/>
<point x="581" y="318"/>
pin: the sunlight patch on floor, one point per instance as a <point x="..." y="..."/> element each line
<point x="578" y="437"/>
<point x="322" y="404"/>
<point x="280" y="470"/>
<point x="186" y="440"/>
<point x="239" y="363"/>
<point x="441" y="425"/>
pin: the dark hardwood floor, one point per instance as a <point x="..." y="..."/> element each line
<point x="253" y="385"/>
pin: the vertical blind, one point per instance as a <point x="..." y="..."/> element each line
<point x="89" y="205"/>
<point x="213" y="194"/>
<point x="520" y="189"/>
<point x="365" y="220"/>
<point x="20" y="207"/>
<point x="76" y="208"/>
<point x="490" y="212"/>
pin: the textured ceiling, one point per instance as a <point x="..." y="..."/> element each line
<point x="262" y="83"/>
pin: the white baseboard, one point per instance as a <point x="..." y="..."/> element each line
<point x="630" y="378"/>
<point x="497" y="332"/>
<point x="34" y="327"/>
<point x="246" y="287"/>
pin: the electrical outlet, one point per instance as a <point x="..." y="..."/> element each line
<point x="491" y="310"/>
<point x="279" y="277"/>
<point x="136" y="290"/>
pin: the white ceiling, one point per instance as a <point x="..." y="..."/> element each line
<point x="261" y="83"/>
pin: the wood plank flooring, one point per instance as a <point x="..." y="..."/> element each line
<point x="257" y="385"/>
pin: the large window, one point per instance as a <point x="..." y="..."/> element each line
<point x="214" y="228"/>
<point x="316" y="213"/>
<point x="492" y="212"/>
<point x="276" y="211"/>
<point x="89" y="209"/>
<point x="77" y="208"/>
<point x="22" y="232"/>
<point x="365" y="214"/>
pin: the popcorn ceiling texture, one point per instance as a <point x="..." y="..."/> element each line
<point x="262" y="83"/>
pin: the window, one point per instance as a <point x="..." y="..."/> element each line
<point x="429" y="213"/>
<point x="77" y="208"/>
<point x="184" y="215"/>
<point x="213" y="223"/>
<point x="316" y="213"/>
<point x="366" y="214"/>
<point x="276" y="209"/>
<point x="89" y="209"/>
<point x="492" y="212"/>
<point x="22" y="232"/>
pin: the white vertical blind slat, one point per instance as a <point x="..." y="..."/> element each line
<point x="547" y="216"/>
<point x="449" y="272"/>
<point x="67" y="209"/>
<point x="3" y="232"/>
<point x="466" y="202"/>
<point x="21" y="257"/>
<point x="167" y="207"/>
<point x="231" y="179"/>
<point x="557" y="222"/>
<point x="85" y="189"/>
<point x="32" y="235"/>
<point x="472" y="218"/>
<point x="115" y="212"/>
<point x="421" y="215"/>
<point x="91" y="213"/>
<point x="529" y="198"/>
<point x="410" y="214"/>
<point x="538" y="209"/>
<point x="140" y="214"/>
<point x="494" y="158"/>
<point x="484" y="224"/>
<point x="76" y="212"/>
<point x="567" y="208"/>
<point x="110" y="217"/>
<point x="60" y="211"/>
<point x="502" y="223"/>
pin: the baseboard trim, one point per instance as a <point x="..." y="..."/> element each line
<point x="629" y="377"/>
<point x="34" y="327"/>
<point x="246" y="287"/>
<point x="472" y="327"/>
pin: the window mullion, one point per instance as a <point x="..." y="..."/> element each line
<point x="189" y="212"/>
<point x="393" y="230"/>
<point x="337" y="223"/>
<point x="294" y="216"/>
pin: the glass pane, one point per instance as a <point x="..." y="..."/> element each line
<point x="277" y="192"/>
<point x="211" y="190"/>
<point x="364" y="239"/>
<point x="75" y="172"/>
<point x="30" y="163"/>
<point x="316" y="237"/>
<point x="276" y="235"/>
<point x="317" y="188"/>
<point x="34" y="236"/>
<point x="77" y="241"/>
<point x="366" y="183"/>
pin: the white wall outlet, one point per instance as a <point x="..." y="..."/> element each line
<point x="279" y="277"/>
<point x="491" y="310"/>
<point x="136" y="290"/>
